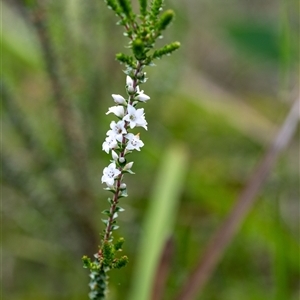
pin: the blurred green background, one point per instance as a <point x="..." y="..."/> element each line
<point x="215" y="107"/>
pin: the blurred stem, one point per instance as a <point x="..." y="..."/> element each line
<point x="17" y="179"/>
<point x="224" y="235"/>
<point x="42" y="160"/>
<point x="285" y="49"/>
<point x="70" y="125"/>
<point x="163" y="270"/>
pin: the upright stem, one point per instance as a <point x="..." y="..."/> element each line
<point x="108" y="229"/>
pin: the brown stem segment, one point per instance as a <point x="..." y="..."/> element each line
<point x="215" y="249"/>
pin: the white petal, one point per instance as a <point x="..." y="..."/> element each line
<point x="128" y="166"/>
<point x="129" y="81"/>
<point x="117" y="110"/>
<point x="114" y="155"/>
<point x="142" y="97"/>
<point x="129" y="136"/>
<point x="118" y="99"/>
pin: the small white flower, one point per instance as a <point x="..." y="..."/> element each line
<point x="135" y="117"/>
<point x="117" y="110"/>
<point x="141" y="96"/>
<point x="109" y="174"/>
<point x="121" y="159"/>
<point x="134" y="142"/>
<point x="118" y="99"/>
<point x="110" y="143"/>
<point x="129" y="85"/>
<point x="117" y="130"/>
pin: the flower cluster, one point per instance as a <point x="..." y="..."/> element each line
<point x="119" y="140"/>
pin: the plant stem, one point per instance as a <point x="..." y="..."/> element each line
<point x="108" y="229"/>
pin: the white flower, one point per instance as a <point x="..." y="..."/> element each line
<point x="118" y="99"/>
<point x="117" y="110"/>
<point x="135" y="117"/>
<point x="134" y="142"/>
<point x="109" y="174"/>
<point x="117" y="130"/>
<point x="141" y="96"/>
<point x="129" y="85"/>
<point x="110" y="143"/>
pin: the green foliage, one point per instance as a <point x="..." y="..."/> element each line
<point x="120" y="263"/>
<point x="138" y="49"/>
<point x="125" y="59"/>
<point x="165" y="20"/>
<point x="156" y="7"/>
<point x="166" y="50"/>
<point x="112" y="4"/>
<point x="143" y="7"/>
<point x="98" y="283"/>
<point x="107" y="254"/>
<point x="143" y="34"/>
<point x="125" y="6"/>
<point x="119" y="244"/>
<point x="104" y="261"/>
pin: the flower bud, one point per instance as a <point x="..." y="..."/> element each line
<point x="123" y="186"/>
<point x="129" y="85"/>
<point x="140" y="75"/>
<point x="118" y="99"/>
<point x="121" y="159"/>
<point x="114" y="155"/>
<point x="142" y="97"/>
<point x="128" y="166"/>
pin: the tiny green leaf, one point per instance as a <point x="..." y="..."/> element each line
<point x="123" y="194"/>
<point x="125" y="59"/>
<point x="156" y="7"/>
<point x="113" y="5"/>
<point x="104" y="221"/>
<point x="119" y="244"/>
<point x="86" y="262"/>
<point x="126" y="7"/>
<point x="166" y="50"/>
<point x="165" y="19"/>
<point x="119" y="209"/>
<point x="106" y="212"/>
<point x="143" y="7"/>
<point x="114" y="227"/>
<point x="121" y="262"/>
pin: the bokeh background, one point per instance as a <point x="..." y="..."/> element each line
<point x="215" y="106"/>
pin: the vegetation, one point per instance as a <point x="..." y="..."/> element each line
<point x="215" y="107"/>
